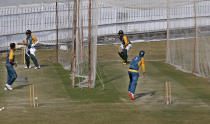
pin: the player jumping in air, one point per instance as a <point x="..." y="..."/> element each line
<point x="133" y="72"/>
<point x="31" y="41"/>
<point x="125" y="46"/>
<point x="10" y="62"/>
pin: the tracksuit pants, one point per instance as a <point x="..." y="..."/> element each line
<point x="124" y="53"/>
<point x="133" y="81"/>
<point x="33" y="58"/>
<point x="11" y="74"/>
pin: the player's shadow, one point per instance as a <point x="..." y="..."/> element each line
<point x="137" y="96"/>
<point x="21" y="86"/>
<point x="44" y="65"/>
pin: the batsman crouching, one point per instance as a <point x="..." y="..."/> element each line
<point x="133" y="72"/>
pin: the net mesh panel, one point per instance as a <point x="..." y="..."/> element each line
<point x="181" y="37"/>
<point x="142" y="20"/>
<point x="148" y="4"/>
<point x="190" y="53"/>
<point x="137" y="23"/>
<point x="65" y="46"/>
<point x="39" y="18"/>
<point x="94" y="40"/>
<point x="66" y="49"/>
<point x="187" y="23"/>
<point x="202" y="57"/>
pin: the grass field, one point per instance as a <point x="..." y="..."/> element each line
<point x="59" y="103"/>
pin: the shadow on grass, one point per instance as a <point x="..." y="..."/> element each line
<point x="44" y="65"/>
<point x="137" y="96"/>
<point x="22" y="79"/>
<point x="21" y="86"/>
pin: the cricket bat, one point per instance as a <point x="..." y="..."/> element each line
<point x="21" y="43"/>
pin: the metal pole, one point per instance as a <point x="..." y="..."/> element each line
<point x="89" y="45"/>
<point x="74" y="43"/>
<point x="56" y="30"/>
<point x="195" y="37"/>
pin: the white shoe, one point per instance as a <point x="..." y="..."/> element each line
<point x="27" y="67"/>
<point x="8" y="87"/>
<point x="37" y="67"/>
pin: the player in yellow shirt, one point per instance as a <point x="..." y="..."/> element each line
<point x="125" y="46"/>
<point x="30" y="42"/>
<point x="10" y="62"/>
<point x="133" y="72"/>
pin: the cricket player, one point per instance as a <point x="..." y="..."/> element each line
<point x="30" y="42"/>
<point x="133" y="72"/>
<point x="10" y="63"/>
<point x="125" y="46"/>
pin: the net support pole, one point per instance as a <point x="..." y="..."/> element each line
<point x="195" y="37"/>
<point x="167" y="30"/>
<point x="79" y="37"/>
<point x="56" y="30"/>
<point x="68" y="14"/>
<point x="82" y="30"/>
<point x="69" y="21"/>
<point x="89" y="46"/>
<point x="74" y="43"/>
<point x="82" y="38"/>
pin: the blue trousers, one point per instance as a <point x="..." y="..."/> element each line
<point x="11" y="74"/>
<point x="133" y="81"/>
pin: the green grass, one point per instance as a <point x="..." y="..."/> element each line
<point x="1" y="74"/>
<point x="154" y="51"/>
<point x="60" y="103"/>
<point x="85" y="94"/>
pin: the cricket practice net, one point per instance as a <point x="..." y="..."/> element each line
<point x="185" y="22"/>
<point x="77" y="27"/>
<point x="78" y="52"/>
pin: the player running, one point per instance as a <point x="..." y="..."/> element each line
<point x="133" y="72"/>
